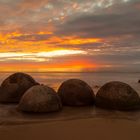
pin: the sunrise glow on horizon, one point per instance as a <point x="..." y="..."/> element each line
<point x="75" y="36"/>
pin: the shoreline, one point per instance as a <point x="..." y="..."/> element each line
<point x="80" y="129"/>
<point x="71" y="71"/>
<point x="10" y="116"/>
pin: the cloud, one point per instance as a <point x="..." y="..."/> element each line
<point x="33" y="26"/>
<point x="126" y="21"/>
<point x="32" y="37"/>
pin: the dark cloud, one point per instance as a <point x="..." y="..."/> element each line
<point x="33" y="37"/>
<point x="105" y="25"/>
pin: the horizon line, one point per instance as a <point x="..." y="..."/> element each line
<point x="71" y="71"/>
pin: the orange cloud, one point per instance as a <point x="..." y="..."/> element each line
<point x="25" y="42"/>
<point x="72" y="40"/>
<point x="35" y="55"/>
<point x="73" y="65"/>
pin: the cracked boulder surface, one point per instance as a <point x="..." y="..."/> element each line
<point x="39" y="99"/>
<point x="117" y="95"/>
<point x="75" y="92"/>
<point x="14" y="86"/>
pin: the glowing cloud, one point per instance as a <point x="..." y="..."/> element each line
<point x="60" y="53"/>
<point x="40" y="56"/>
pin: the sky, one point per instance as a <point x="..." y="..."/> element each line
<point x="70" y="35"/>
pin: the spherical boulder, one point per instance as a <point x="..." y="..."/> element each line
<point x="75" y="92"/>
<point x="117" y="95"/>
<point x="40" y="98"/>
<point x="13" y="87"/>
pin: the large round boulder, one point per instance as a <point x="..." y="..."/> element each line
<point x="40" y="98"/>
<point x="75" y="92"/>
<point x="117" y="95"/>
<point x="13" y="87"/>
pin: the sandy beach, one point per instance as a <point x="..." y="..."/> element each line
<point x="80" y="129"/>
<point x="78" y="123"/>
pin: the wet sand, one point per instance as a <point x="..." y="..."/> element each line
<point x="81" y="129"/>
<point x="72" y="123"/>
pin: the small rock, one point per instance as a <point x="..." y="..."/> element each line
<point x="96" y="86"/>
<point x="138" y="81"/>
<point x="75" y="92"/>
<point x="13" y="87"/>
<point x="40" y="98"/>
<point x="117" y="95"/>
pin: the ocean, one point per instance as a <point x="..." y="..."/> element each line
<point x="10" y="116"/>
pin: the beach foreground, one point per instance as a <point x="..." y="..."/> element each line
<point x="71" y="123"/>
<point x="80" y="129"/>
